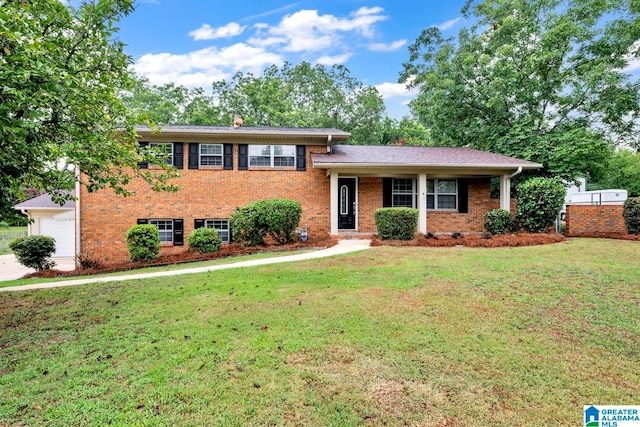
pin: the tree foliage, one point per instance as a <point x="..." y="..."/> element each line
<point x="540" y="80"/>
<point x="295" y="96"/>
<point x="61" y="70"/>
<point x="623" y="172"/>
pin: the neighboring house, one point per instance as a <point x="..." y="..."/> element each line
<point x="51" y="219"/>
<point x="339" y="186"/>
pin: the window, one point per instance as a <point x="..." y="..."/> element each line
<point x="169" y="230"/>
<point x="163" y="149"/>
<point x="165" y="228"/>
<point x="210" y="154"/>
<point x="442" y="194"/>
<point x="272" y="155"/>
<point x="403" y="193"/>
<point x="222" y="225"/>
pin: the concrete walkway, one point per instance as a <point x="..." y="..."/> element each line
<point x="343" y="247"/>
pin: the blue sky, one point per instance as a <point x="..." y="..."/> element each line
<point x="195" y="42"/>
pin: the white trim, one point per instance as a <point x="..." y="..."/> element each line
<point x="422" y="203"/>
<point x="333" y="203"/>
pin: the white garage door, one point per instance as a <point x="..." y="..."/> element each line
<point x="62" y="228"/>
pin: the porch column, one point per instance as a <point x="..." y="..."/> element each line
<point x="505" y="193"/>
<point x="422" y="203"/>
<point x="333" y="195"/>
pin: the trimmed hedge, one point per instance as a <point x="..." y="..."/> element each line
<point x="396" y="223"/>
<point x="34" y="251"/>
<point x="539" y="202"/>
<point x="277" y="217"/>
<point x="631" y="215"/>
<point x="204" y="240"/>
<point x="498" y="221"/>
<point x="143" y="242"/>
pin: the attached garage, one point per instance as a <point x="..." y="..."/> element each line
<point x="53" y="220"/>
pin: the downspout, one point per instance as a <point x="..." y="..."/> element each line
<point x="518" y="172"/>
<point x="329" y="138"/>
<point x="77" y="213"/>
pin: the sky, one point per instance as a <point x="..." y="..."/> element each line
<point x="195" y="42"/>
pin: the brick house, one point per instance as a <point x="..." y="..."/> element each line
<point x="339" y="186"/>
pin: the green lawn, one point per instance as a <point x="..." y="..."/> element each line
<point x="7" y="235"/>
<point x="387" y="336"/>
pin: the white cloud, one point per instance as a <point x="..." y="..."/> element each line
<point x="202" y="67"/>
<point x="392" y="90"/>
<point x="448" y="24"/>
<point x="206" y="32"/>
<point x="333" y="60"/>
<point x="387" y="47"/>
<point x="307" y="31"/>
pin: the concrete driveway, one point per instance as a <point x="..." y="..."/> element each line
<point x="11" y="269"/>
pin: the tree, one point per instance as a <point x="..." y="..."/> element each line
<point x="537" y="79"/>
<point x="623" y="172"/>
<point x="295" y="96"/>
<point x="61" y="72"/>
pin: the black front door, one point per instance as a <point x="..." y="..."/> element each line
<point x="346" y="203"/>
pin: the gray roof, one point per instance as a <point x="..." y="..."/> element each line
<point x="245" y="131"/>
<point x="44" y="201"/>
<point x="402" y="156"/>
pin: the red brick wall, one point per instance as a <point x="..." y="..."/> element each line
<point x="584" y="220"/>
<point x="480" y="203"/>
<point x="106" y="217"/>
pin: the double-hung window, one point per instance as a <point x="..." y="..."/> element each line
<point x="222" y="225"/>
<point x="442" y="194"/>
<point x="272" y="156"/>
<point x="165" y="229"/>
<point x="163" y="149"/>
<point x="403" y="193"/>
<point x="210" y="154"/>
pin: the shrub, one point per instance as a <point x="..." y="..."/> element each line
<point x="631" y="215"/>
<point x="86" y="261"/>
<point x="396" y="223"/>
<point x="498" y="221"/>
<point x="245" y="226"/>
<point x="279" y="218"/>
<point x="34" y="251"/>
<point x="143" y="242"/>
<point x="539" y="201"/>
<point x="276" y="217"/>
<point x="204" y="240"/>
<point x="4" y="225"/>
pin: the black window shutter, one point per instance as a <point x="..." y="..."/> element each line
<point x="227" y="158"/>
<point x="178" y="155"/>
<point x="143" y="221"/>
<point x="463" y="195"/>
<point x="198" y="223"/>
<point x="387" y="192"/>
<point x="301" y="158"/>
<point x="194" y="152"/>
<point x="243" y="157"/>
<point x="178" y="232"/>
<point x="143" y="148"/>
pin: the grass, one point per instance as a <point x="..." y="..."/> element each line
<point x="388" y="336"/>
<point x="4" y="240"/>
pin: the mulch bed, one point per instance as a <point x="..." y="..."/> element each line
<point x="225" y="252"/>
<point x="484" y="240"/>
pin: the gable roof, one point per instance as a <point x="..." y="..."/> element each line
<point x="381" y="156"/>
<point x="44" y="201"/>
<point x="243" y="133"/>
